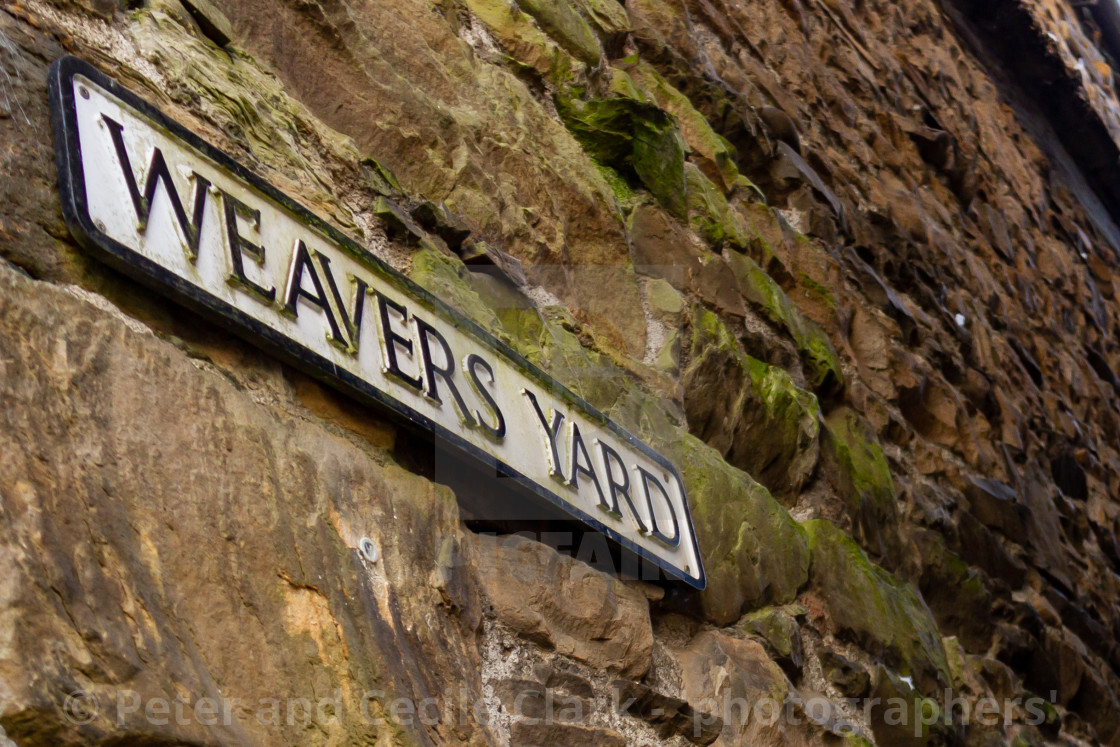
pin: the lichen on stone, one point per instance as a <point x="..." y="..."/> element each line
<point x="872" y="608"/>
<point x="634" y="137"/>
<point x="862" y="478"/>
<point x="818" y="356"/>
<point x="717" y="154"/>
<point x="750" y="411"/>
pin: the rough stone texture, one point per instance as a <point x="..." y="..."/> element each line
<point x="213" y="561"/>
<point x="750" y="411"/>
<point x="851" y="266"/>
<point x="754" y="553"/>
<point x="859" y="472"/>
<point x="563" y="604"/>
<point x="880" y="613"/>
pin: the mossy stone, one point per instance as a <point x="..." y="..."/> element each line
<point x="546" y="339"/>
<point x="623" y="85"/>
<point x="608" y="16"/>
<point x="521" y="37"/>
<point x="819" y="359"/>
<point x="873" y="609"/>
<point x="658" y="159"/>
<point x="778" y="627"/>
<point x="719" y="155"/>
<point x="858" y="470"/>
<point x="709" y="212"/>
<point x="445" y="278"/>
<point x="752" y="412"/>
<point x="622" y="192"/>
<point x="544" y="336"/>
<point x="563" y="23"/>
<point x="754" y="552"/>
<point x="380" y="178"/>
<point x="755" y="555"/>
<point x="633" y="137"/>
<point x="855" y="740"/>
<point x="778" y="434"/>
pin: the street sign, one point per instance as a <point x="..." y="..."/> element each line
<point x="155" y="201"/>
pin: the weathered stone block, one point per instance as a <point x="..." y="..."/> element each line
<point x="750" y="411"/>
<point x="754" y="553"/>
<point x="778" y="628"/>
<point x="858" y="470"/>
<point x="874" y="609"/>
<point x="201" y="542"/>
<point x="564" y="604"/>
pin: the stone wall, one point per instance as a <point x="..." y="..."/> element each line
<point x="837" y="260"/>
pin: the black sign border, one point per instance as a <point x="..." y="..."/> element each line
<point x="76" y="213"/>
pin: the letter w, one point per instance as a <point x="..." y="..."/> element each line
<point x="158" y="172"/>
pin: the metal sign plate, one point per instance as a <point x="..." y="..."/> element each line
<point x="155" y="201"/>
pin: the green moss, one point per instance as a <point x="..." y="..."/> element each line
<point x="446" y="278"/>
<point x="816" y="290"/>
<point x="521" y="37"/>
<point x="698" y="133"/>
<point x="545" y="338"/>
<point x="785" y="402"/>
<point x="564" y="24"/>
<point x="623" y="85"/>
<point x="749" y="187"/>
<point x="658" y="159"/>
<point x="711" y="216"/>
<point x="1052" y="721"/>
<point x="710" y="331"/>
<point x="959" y="667"/>
<point x="860" y="457"/>
<point x="752" y="412"/>
<point x="380" y="177"/>
<point x="778" y="627"/>
<point x="633" y="137"/>
<point x="755" y="555"/>
<point x="818" y="356"/>
<point x="619" y="188"/>
<point x="754" y="552"/>
<point x="770" y="237"/>
<point x="873" y="609"/>
<point x="608" y="16"/>
<point x="858" y="470"/>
